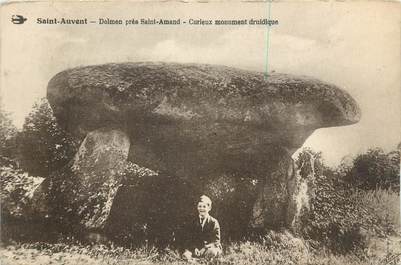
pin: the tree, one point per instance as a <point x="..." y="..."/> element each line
<point x="43" y="146"/>
<point x="8" y="134"/>
<point x="310" y="162"/>
<point x="375" y="169"/>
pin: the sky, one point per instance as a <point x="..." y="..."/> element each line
<point x="355" y="45"/>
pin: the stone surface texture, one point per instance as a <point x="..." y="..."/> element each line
<point x="216" y="129"/>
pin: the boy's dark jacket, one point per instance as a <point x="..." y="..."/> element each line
<point x="199" y="237"/>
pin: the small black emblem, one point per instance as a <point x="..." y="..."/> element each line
<point x="18" y="19"/>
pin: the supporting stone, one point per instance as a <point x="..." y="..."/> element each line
<point x="85" y="189"/>
<point x="98" y="165"/>
<point x="282" y="198"/>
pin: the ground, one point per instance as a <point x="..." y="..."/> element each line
<point x="385" y="251"/>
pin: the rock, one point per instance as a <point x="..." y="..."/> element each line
<point x="88" y="185"/>
<point x="98" y="165"/>
<point x="190" y="119"/>
<point x="284" y="196"/>
<point x="272" y="206"/>
<point x="203" y="124"/>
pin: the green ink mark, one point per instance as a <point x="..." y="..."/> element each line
<point x="269" y="2"/>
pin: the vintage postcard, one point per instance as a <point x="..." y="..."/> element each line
<point x="206" y="132"/>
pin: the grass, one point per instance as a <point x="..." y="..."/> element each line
<point x="236" y="253"/>
<point x="273" y="249"/>
<point x="386" y="204"/>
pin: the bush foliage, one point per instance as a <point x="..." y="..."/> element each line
<point x="16" y="190"/>
<point x="8" y="134"/>
<point x="345" y="211"/>
<point x="374" y="169"/>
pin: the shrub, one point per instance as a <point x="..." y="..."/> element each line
<point x="16" y="189"/>
<point x="343" y="217"/>
<point x="337" y="219"/>
<point x="375" y="169"/>
<point x="344" y="212"/>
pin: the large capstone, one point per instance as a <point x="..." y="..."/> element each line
<point x="219" y="130"/>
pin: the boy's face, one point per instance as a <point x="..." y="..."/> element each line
<point x="203" y="208"/>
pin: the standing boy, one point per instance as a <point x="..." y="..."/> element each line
<point x="204" y="233"/>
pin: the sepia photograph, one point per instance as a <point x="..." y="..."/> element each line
<point x="200" y="132"/>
